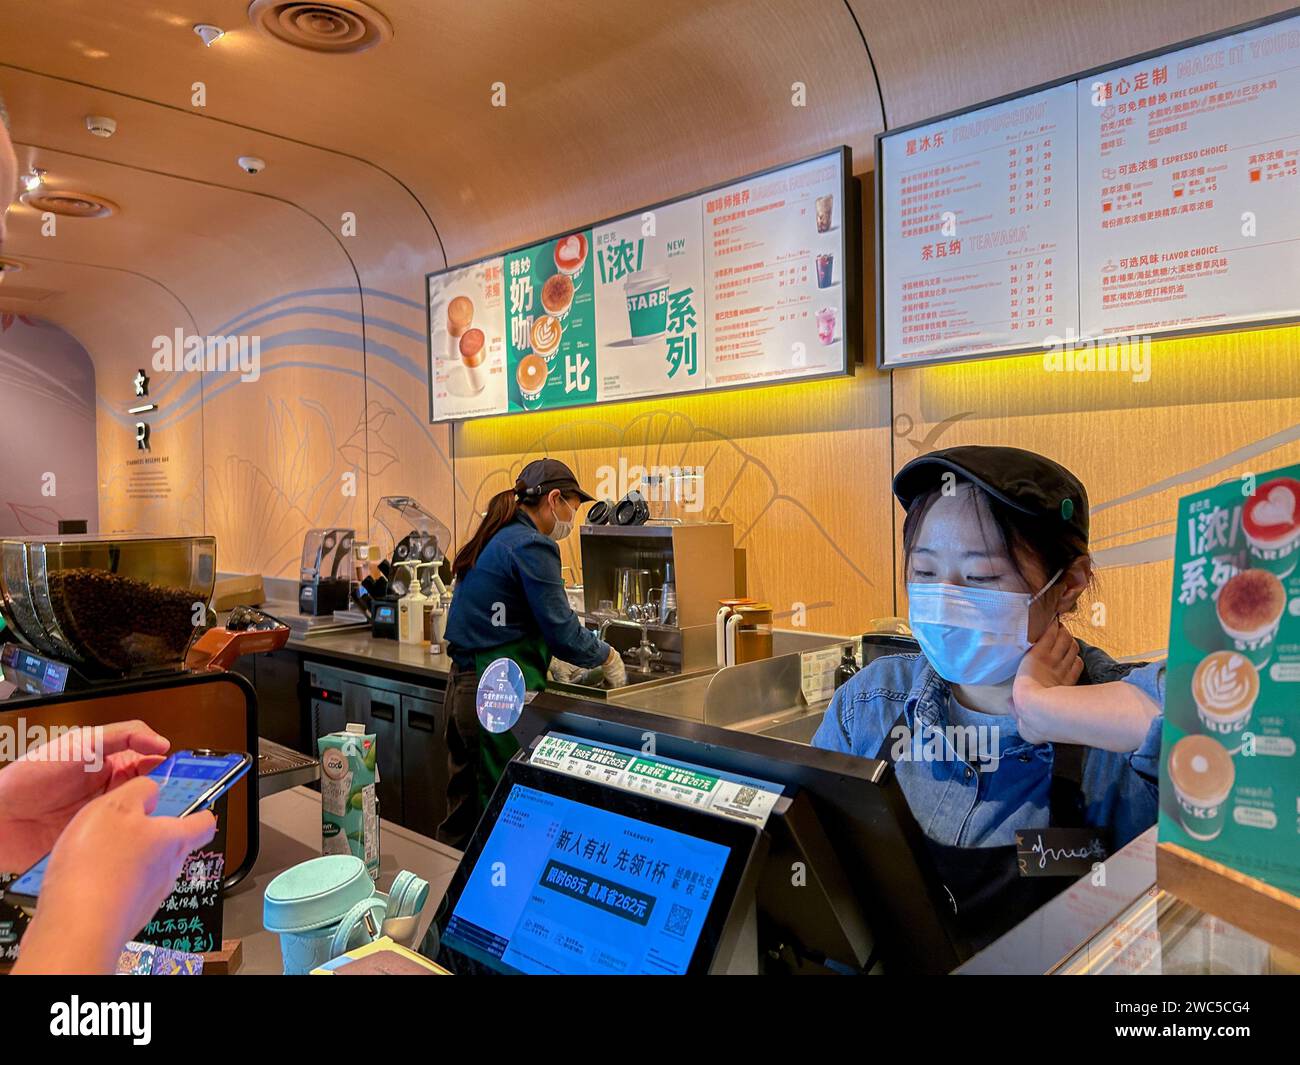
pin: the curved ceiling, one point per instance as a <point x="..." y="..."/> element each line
<point x="607" y="106"/>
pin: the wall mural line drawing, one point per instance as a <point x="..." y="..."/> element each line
<point x="331" y="402"/>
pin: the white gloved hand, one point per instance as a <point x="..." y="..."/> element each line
<point x="564" y="672"/>
<point x="614" y="670"/>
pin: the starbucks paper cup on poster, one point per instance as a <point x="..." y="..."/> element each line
<point x="1271" y="522"/>
<point x="1225" y="687"/>
<point x="1250" y="606"/>
<point x="1202" y="774"/>
<point x="646" y="293"/>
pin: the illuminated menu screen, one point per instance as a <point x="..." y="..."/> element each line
<point x="978" y="223"/>
<point x="1162" y="196"/>
<point x="746" y="283"/>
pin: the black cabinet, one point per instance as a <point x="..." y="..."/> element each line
<point x="424" y="764"/>
<point x="408" y="723"/>
<point x="279" y="700"/>
<point x="281" y="711"/>
<point x="378" y="710"/>
<point x="325" y="705"/>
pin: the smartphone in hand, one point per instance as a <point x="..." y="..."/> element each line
<point x="187" y="781"/>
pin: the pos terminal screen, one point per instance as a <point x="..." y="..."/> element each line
<point x="561" y="886"/>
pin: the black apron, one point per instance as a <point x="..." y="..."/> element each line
<point x="988" y="893"/>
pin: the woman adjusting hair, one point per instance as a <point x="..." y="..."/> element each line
<point x="1004" y="725"/>
<point x="510" y="602"/>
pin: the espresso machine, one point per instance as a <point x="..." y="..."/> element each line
<point x="98" y="630"/>
<point x="652" y="592"/>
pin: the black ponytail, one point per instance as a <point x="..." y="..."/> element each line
<point x="501" y="511"/>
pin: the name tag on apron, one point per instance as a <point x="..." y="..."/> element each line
<point x="1060" y="851"/>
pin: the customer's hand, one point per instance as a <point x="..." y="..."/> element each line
<point x="42" y="791"/>
<point x="109" y="872"/>
<point x="614" y="671"/>
<point x="1052" y="662"/>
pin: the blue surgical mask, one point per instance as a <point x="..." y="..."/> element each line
<point x="972" y="635"/>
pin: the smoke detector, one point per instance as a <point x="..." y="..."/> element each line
<point x="68" y="204"/>
<point x="335" y="27"/>
<point x="209" y="33"/>
<point x="101" y="125"/>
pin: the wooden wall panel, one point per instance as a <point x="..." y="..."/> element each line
<point x="1214" y="408"/>
<point x="801" y="471"/>
<point x="658" y="100"/>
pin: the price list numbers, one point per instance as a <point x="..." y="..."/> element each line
<point x="1029" y="175"/>
<point x="1030" y="293"/>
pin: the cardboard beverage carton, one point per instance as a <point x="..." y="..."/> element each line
<point x="349" y="809"/>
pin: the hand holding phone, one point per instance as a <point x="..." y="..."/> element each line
<point x="42" y="791"/>
<point x="109" y="872"/>
<point x="186" y="782"/>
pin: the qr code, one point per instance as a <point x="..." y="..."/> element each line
<point x="746" y="796"/>
<point x="678" y="920"/>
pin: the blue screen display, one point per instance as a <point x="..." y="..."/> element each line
<point x="562" y="887"/>
<point x="181" y="779"/>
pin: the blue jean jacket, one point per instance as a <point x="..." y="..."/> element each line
<point x="514" y="591"/>
<point x="962" y="799"/>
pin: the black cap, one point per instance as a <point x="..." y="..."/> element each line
<point x="1023" y="480"/>
<point x="542" y="475"/>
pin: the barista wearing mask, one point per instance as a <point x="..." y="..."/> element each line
<point x="510" y="602"/>
<point x="1004" y="722"/>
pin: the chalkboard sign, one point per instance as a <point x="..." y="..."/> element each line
<point x="13" y="923"/>
<point x="190" y="918"/>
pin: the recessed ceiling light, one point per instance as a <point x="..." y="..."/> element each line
<point x="209" y="33"/>
<point x="33" y="178"/>
<point x="68" y="204"/>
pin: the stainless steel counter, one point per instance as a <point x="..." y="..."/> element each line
<point x="762" y="697"/>
<point x="358" y="647"/>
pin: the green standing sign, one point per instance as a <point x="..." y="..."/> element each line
<point x="1230" y="770"/>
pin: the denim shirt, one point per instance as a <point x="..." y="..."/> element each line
<point x="968" y="801"/>
<point x="515" y="590"/>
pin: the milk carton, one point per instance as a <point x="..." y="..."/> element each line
<point x="349" y="810"/>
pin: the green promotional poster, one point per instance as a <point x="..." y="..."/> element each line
<point x="551" y="325"/>
<point x="1230" y="775"/>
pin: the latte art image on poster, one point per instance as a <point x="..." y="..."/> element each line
<point x="467" y="348"/>
<point x="550" y="324"/>
<point x="1229" y="761"/>
<point x="650" y="302"/>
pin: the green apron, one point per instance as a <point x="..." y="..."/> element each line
<point x="495" y="749"/>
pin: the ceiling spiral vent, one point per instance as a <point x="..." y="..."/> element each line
<point x="335" y="28"/>
<point x="68" y="204"/>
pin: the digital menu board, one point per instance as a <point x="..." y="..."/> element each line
<point x="750" y="282"/>
<point x="979" y="228"/>
<point x="1158" y="196"/>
